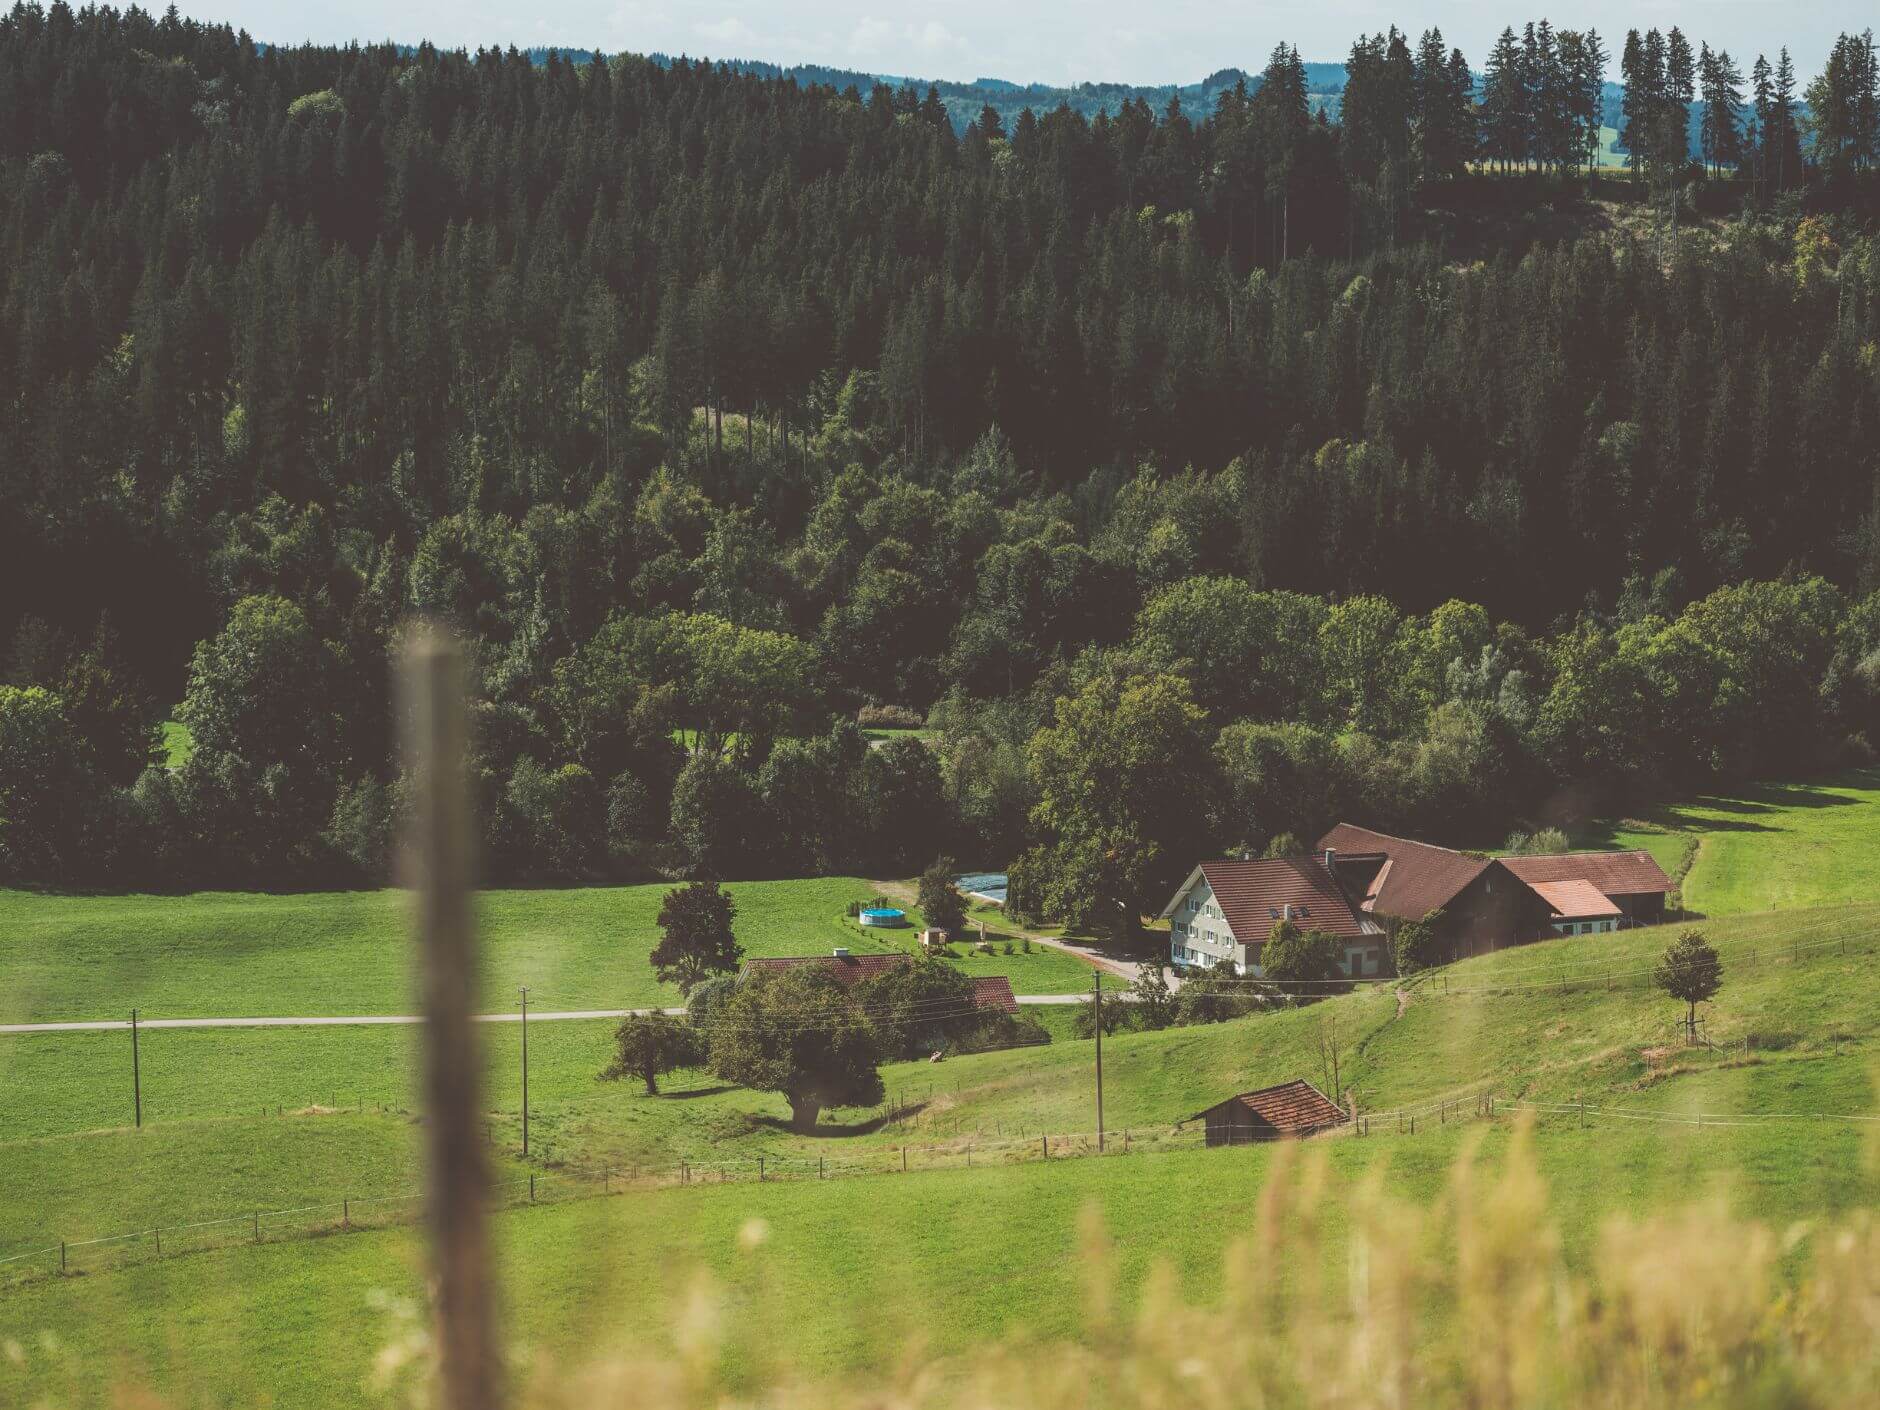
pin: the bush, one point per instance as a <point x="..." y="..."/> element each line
<point x="1210" y="998"/>
<point x="889" y="717"/>
<point x="1415" y="945"/>
<point x="1000" y="1030"/>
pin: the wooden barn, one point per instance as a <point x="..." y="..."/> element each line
<point x="1288" y="1111"/>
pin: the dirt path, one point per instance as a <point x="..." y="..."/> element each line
<point x="908" y="895"/>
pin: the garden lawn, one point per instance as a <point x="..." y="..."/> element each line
<point x="1782" y="846"/>
<point x="249" y="954"/>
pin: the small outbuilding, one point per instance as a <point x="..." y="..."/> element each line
<point x="1289" y="1111"/>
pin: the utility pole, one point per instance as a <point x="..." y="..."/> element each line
<point x="137" y="1076"/>
<point x="525" y="1069"/>
<point x="1096" y="988"/>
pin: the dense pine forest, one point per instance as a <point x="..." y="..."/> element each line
<point x="1194" y="477"/>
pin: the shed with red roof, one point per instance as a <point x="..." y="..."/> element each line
<point x="1291" y="1110"/>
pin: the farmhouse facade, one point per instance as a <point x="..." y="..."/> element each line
<point x="1291" y="1110"/>
<point x="1224" y="911"/>
<point x="1359" y="885"/>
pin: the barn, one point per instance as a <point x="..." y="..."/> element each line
<point x="1289" y="1111"/>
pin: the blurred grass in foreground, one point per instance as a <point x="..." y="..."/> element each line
<point x="1462" y="1301"/>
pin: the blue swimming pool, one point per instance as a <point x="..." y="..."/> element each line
<point x="883" y="918"/>
<point x="989" y="885"/>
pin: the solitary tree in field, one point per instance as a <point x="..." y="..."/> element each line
<point x="649" y="1045"/>
<point x="1689" y="970"/>
<point x="695" y="935"/>
<point x="940" y="900"/>
<point x="799" y="1033"/>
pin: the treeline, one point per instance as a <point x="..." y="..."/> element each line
<point x="1225" y="718"/>
<point x="712" y="408"/>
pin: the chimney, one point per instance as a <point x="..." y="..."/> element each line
<point x="1331" y="859"/>
<point x="841" y="952"/>
<point x="1285" y="911"/>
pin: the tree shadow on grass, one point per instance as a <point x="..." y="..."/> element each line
<point x="691" y="1092"/>
<point x="840" y="1129"/>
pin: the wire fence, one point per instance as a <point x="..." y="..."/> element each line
<point x="70" y="1257"/>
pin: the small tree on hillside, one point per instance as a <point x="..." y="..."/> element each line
<point x="1153" y="1000"/>
<point x="649" y="1045"/>
<point x="695" y="936"/>
<point x="1309" y="960"/>
<point x="940" y="900"/>
<point x="797" y="1032"/>
<point x="1689" y="970"/>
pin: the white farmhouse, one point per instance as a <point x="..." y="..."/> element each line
<point x="1224" y="911"/>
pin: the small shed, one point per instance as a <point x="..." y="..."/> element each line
<point x="1290" y="1110"/>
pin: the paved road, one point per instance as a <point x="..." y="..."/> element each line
<point x="111" y="1025"/>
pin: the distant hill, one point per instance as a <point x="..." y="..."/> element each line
<point x="1325" y="85"/>
<point x="964" y="101"/>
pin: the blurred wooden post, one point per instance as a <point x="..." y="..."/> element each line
<point x="433" y="689"/>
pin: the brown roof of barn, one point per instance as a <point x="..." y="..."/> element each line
<point x="1615" y="873"/>
<point x="1417" y="879"/>
<point x="992" y="991"/>
<point x="1253" y="895"/>
<point x="1291" y="1106"/>
<point x="1574" y="900"/>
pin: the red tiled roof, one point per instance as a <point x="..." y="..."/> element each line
<point x="1574" y="900"/>
<point x="1415" y="880"/>
<point x="993" y="991"/>
<point x="1252" y="895"/>
<point x="1615" y="873"/>
<point x="1291" y="1106"/>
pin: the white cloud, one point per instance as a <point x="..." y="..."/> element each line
<point x="729" y="30"/>
<point x="870" y="35"/>
<point x="936" y="38"/>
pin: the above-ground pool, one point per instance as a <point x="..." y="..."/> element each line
<point x="883" y="917"/>
<point x="987" y="885"/>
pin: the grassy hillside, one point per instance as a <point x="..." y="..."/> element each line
<point x="347" y="952"/>
<point x="965" y="1254"/>
<point x="1812" y="1020"/>
<point x="1767" y="846"/>
<point x="838" y="1276"/>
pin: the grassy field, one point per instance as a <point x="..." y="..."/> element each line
<point x="946" y="1260"/>
<point x="1812" y="1019"/>
<point x="347" y="952"/>
<point x="963" y="1255"/>
<point x="1766" y="847"/>
<point x="178" y="744"/>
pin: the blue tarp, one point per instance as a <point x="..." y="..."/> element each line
<point x="990" y="884"/>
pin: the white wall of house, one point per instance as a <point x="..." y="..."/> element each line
<point x="1198" y="934"/>
<point x="1585" y="927"/>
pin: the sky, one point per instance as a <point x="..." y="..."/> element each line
<point x="1045" y="41"/>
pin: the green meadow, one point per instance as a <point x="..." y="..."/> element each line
<point x="825" y="1277"/>
<point x="976" y="1242"/>
<point x="1537" y="1022"/>
<point x="243" y="954"/>
<point x="1778" y="846"/>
